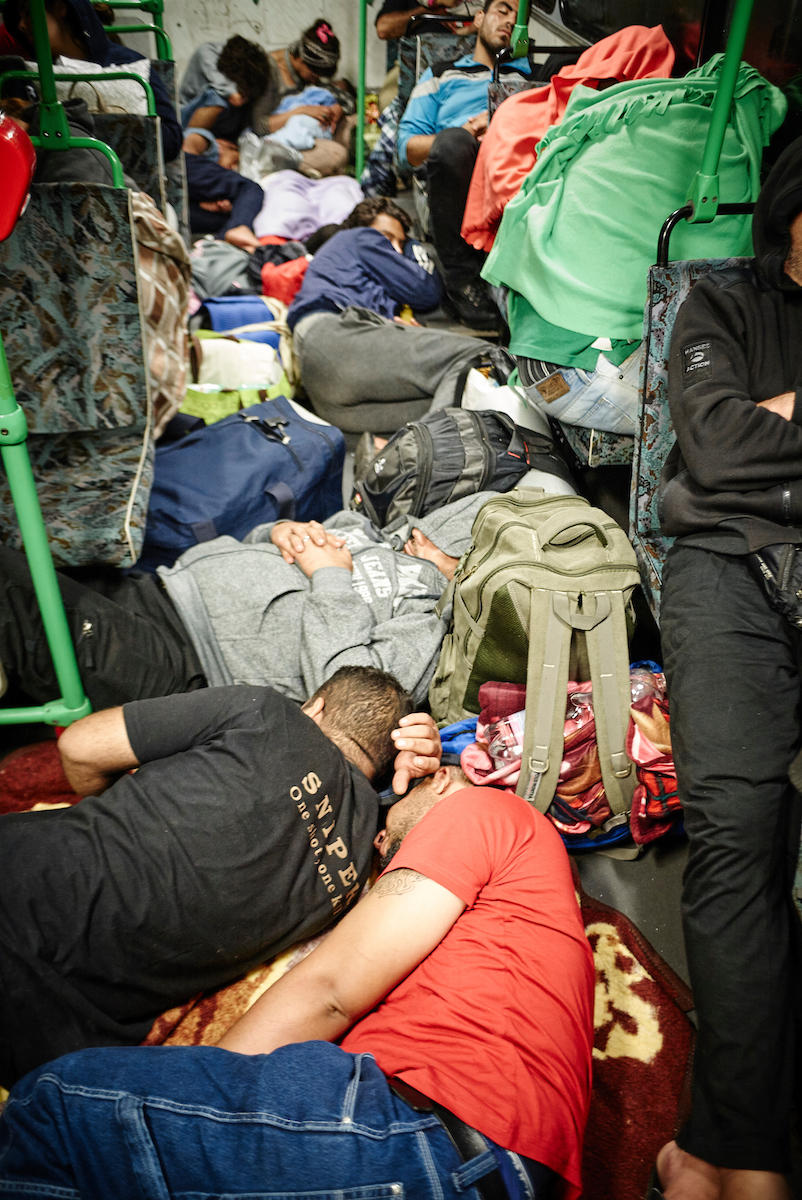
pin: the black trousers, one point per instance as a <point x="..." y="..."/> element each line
<point x="207" y="180"/>
<point x="129" y="640"/>
<point x="448" y="171"/>
<point x="733" y="668"/>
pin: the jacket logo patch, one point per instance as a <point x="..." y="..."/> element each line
<point x="696" y="362"/>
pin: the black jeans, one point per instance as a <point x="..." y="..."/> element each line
<point x="733" y="668"/>
<point x="448" y="171"/>
<point x="129" y="640"/>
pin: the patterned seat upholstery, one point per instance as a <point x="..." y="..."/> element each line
<point x="72" y="330"/>
<point x="136" y="139"/>
<point x="667" y="288"/>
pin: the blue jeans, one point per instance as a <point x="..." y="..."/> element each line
<point x="606" y="398"/>
<point x="152" y="1123"/>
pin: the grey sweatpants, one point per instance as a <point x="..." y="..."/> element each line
<point x="363" y="372"/>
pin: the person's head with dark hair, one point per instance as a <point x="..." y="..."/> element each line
<point x="366" y="212"/>
<point x="245" y="64"/>
<point x="357" y="709"/>
<point x="384" y="215"/>
<point x="316" y="53"/>
<point x="73" y="27"/>
<point x="320" y="237"/>
<point x="406" y="812"/>
<point x="494" y="25"/>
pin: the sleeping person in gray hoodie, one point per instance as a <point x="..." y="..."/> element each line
<point x="286" y="606"/>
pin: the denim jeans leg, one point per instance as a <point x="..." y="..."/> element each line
<point x="154" y="1123"/>
<point x="605" y="398"/>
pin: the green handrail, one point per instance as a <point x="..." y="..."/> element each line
<point x="88" y="77"/>
<point x="519" y="39"/>
<point x="359" y="153"/>
<point x="54" y="132"/>
<point x="72" y="703"/>
<point x="704" y="193"/>
<point x="164" y="49"/>
<point x="154" y="7"/>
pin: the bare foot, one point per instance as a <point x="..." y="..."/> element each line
<point x="243" y="237"/>
<point x="686" y="1177"/>
<point x="419" y="546"/>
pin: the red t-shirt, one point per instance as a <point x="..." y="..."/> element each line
<point x="496" y="1023"/>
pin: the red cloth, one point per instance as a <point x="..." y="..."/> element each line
<point x="507" y="152"/>
<point x="283" y="280"/>
<point x="497" y="1022"/>
<point x="9" y="45"/>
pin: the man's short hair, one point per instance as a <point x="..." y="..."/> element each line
<point x="245" y="64"/>
<point x="364" y="705"/>
<point x="368" y="210"/>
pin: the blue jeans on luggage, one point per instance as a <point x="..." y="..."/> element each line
<point x="185" y="1123"/>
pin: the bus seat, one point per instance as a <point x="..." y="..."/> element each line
<point x="597" y="447"/>
<point x="136" y="139"/>
<point x="428" y="41"/>
<point x="667" y="288"/>
<point x="73" y="339"/>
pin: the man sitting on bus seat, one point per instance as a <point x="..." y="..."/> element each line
<point x="463" y="984"/>
<point x="247" y="826"/>
<point x="286" y="606"/>
<point x="443" y="123"/>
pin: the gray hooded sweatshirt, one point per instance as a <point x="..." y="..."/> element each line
<point x="255" y="619"/>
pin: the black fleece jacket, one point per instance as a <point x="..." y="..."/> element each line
<point x="734" y="480"/>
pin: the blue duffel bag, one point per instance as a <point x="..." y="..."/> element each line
<point x="263" y="463"/>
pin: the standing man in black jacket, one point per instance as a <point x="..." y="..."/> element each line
<point x="732" y="495"/>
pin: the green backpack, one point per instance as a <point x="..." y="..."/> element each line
<point x="544" y="596"/>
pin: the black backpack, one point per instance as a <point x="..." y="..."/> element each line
<point x="449" y="454"/>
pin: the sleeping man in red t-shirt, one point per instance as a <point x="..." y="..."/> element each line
<point x="462" y="989"/>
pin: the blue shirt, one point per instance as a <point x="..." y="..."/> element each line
<point x="361" y="267"/>
<point x="448" y="99"/>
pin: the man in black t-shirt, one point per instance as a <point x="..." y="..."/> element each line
<point x="247" y="827"/>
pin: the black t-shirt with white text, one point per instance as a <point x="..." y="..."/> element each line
<point x="244" y="830"/>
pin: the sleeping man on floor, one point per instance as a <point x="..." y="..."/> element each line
<point x="463" y="986"/>
<point x="248" y="826"/>
<point x="286" y="606"/>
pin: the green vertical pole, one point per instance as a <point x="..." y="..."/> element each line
<point x="519" y="41"/>
<point x="13" y="434"/>
<point x="704" y="195"/>
<point x="359" y="155"/>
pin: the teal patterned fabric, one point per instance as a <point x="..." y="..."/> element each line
<point x="598" y="448"/>
<point x="138" y="144"/>
<point x="667" y="288"/>
<point x="71" y="326"/>
<point x="415" y="54"/>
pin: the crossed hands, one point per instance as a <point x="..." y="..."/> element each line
<point x="310" y="546"/>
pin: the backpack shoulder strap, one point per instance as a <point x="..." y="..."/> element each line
<point x="608" y="656"/>
<point x="546" y="684"/>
